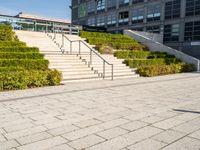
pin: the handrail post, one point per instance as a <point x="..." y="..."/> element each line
<point x="79" y="47"/>
<point x="62" y="40"/>
<point x="112" y="72"/>
<point x="90" y="57"/>
<point x="104" y="69"/>
<point x="70" y="47"/>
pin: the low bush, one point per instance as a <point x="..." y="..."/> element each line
<point x="116" y="41"/>
<point x="160" y="55"/>
<point x="123" y="54"/>
<point x="134" y="63"/>
<point x="39" y="64"/>
<point x="6" y="33"/>
<point x="12" y="43"/>
<point x="19" y="49"/>
<point x="106" y="50"/>
<point x="28" y="79"/>
<point x="8" y="69"/>
<point x="155" y="70"/>
<point x="141" y="54"/>
<point x="21" y="55"/>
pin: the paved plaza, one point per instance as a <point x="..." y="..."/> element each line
<point x="128" y="114"/>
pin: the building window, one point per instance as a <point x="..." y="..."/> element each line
<point x="153" y="13"/>
<point x="100" y="20"/>
<point x="137" y="1"/>
<point x="192" y="7"/>
<point x="123" y="3"/>
<point x="111" y="19"/>
<point x="123" y="18"/>
<point x="192" y="31"/>
<point x="172" y="9"/>
<point x="91" y="6"/>
<point x="171" y="33"/>
<point x="91" y="21"/>
<point x="82" y="10"/>
<point x="111" y="4"/>
<point x="153" y="29"/>
<point x="137" y="15"/>
<point x="100" y="5"/>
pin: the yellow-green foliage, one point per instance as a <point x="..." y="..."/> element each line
<point x="6" y="33"/>
<point x="153" y="63"/>
<point x="116" y="41"/>
<point x="21" y="66"/>
<point x="155" y="70"/>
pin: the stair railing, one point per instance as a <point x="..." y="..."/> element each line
<point x="92" y="51"/>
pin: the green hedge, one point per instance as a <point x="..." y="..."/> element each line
<point x="86" y="34"/>
<point x="8" y="69"/>
<point x="131" y="54"/>
<point x="134" y="63"/>
<point x="6" y="33"/>
<point x="160" y="55"/>
<point x="40" y="64"/>
<point x="20" y="55"/>
<point x="19" y="49"/>
<point x="155" y="70"/>
<point x="116" y="41"/>
<point x="12" y="44"/>
<point x="141" y="54"/>
<point x="28" y="79"/>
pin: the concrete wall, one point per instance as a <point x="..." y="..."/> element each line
<point x="153" y="36"/>
<point x="156" y="46"/>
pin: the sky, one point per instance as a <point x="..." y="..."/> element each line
<point x="48" y="8"/>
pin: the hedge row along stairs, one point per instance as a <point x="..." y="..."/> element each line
<point x="22" y="66"/>
<point x="94" y="55"/>
<point x="74" y="62"/>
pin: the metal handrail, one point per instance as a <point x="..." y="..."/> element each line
<point x="91" y="50"/>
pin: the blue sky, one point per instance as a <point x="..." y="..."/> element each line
<point x="49" y="8"/>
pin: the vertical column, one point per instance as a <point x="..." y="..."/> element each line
<point x="182" y="24"/>
<point x="162" y="18"/>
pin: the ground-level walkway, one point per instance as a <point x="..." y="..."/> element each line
<point x="129" y="114"/>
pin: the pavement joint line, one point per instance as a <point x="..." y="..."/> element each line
<point x="98" y="88"/>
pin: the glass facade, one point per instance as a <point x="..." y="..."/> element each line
<point x="33" y="24"/>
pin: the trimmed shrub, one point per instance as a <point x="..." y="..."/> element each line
<point x="141" y="54"/>
<point x="28" y="79"/>
<point x="134" y="63"/>
<point x="160" y="55"/>
<point x="155" y="70"/>
<point x="8" y="69"/>
<point x="39" y="64"/>
<point x="20" y="55"/>
<point x="106" y="50"/>
<point x="122" y="54"/>
<point x="188" y="68"/>
<point x="116" y="41"/>
<point x="19" y="49"/>
<point x="6" y="33"/>
<point x="132" y="54"/>
<point x="12" y="43"/>
<point x="54" y="78"/>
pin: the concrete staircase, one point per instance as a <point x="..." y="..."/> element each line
<point x="71" y="66"/>
<point x="120" y="69"/>
<point x="74" y="67"/>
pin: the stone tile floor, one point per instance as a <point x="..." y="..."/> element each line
<point x="129" y="114"/>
